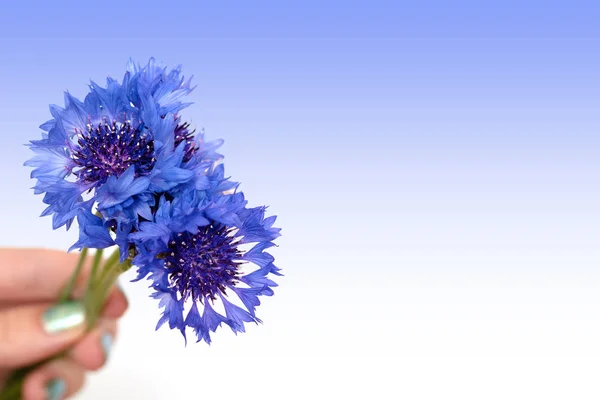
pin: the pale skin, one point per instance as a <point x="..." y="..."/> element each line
<point x="30" y="283"/>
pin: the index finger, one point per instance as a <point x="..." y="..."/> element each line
<point x="37" y="274"/>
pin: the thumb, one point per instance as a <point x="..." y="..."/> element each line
<point x="32" y="333"/>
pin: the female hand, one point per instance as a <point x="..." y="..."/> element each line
<point x="33" y="327"/>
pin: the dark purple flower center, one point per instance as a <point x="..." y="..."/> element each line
<point x="201" y="265"/>
<point x="183" y="134"/>
<point x="109" y="149"/>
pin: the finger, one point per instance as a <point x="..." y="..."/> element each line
<point x="116" y="304"/>
<point x="31" y="333"/>
<point x="92" y="352"/>
<point x="53" y="381"/>
<point x="37" y="274"/>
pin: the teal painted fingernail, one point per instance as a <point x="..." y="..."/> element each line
<point x="107" y="341"/>
<point x="56" y="389"/>
<point x="63" y="317"/>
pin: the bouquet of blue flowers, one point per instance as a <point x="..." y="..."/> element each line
<point x="137" y="178"/>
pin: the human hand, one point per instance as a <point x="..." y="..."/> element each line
<point x="33" y="328"/>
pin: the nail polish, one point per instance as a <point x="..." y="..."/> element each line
<point x="106" y="341"/>
<point x="56" y="389"/>
<point x="63" y="317"/>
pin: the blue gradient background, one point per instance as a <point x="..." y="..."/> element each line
<point x="434" y="168"/>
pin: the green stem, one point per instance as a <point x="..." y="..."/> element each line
<point x="66" y="293"/>
<point x="89" y="300"/>
<point x="98" y="294"/>
<point x="109" y="264"/>
<point x="95" y="265"/>
<point x="110" y="276"/>
<point x="12" y="390"/>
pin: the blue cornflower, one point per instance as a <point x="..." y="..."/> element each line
<point x="116" y="151"/>
<point x="193" y="253"/>
<point x="135" y="175"/>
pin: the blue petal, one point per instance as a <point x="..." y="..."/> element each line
<point x="211" y="319"/>
<point x="50" y="161"/>
<point x="173" y="311"/>
<point x="63" y="199"/>
<point x="142" y="208"/>
<point x="92" y="232"/>
<point x="122" y="240"/>
<point x="117" y="190"/>
<point x="194" y="320"/>
<point x="257" y="255"/>
<point x="73" y="117"/>
<point x="167" y="172"/>
<point x="151" y="230"/>
<point x="249" y="296"/>
<point x="46" y="126"/>
<point x="236" y="316"/>
<point x="253" y="228"/>
<point x="110" y="98"/>
<point x="259" y="278"/>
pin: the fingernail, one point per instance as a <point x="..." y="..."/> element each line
<point x="56" y="389"/>
<point x="63" y="317"/>
<point x="107" y="341"/>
